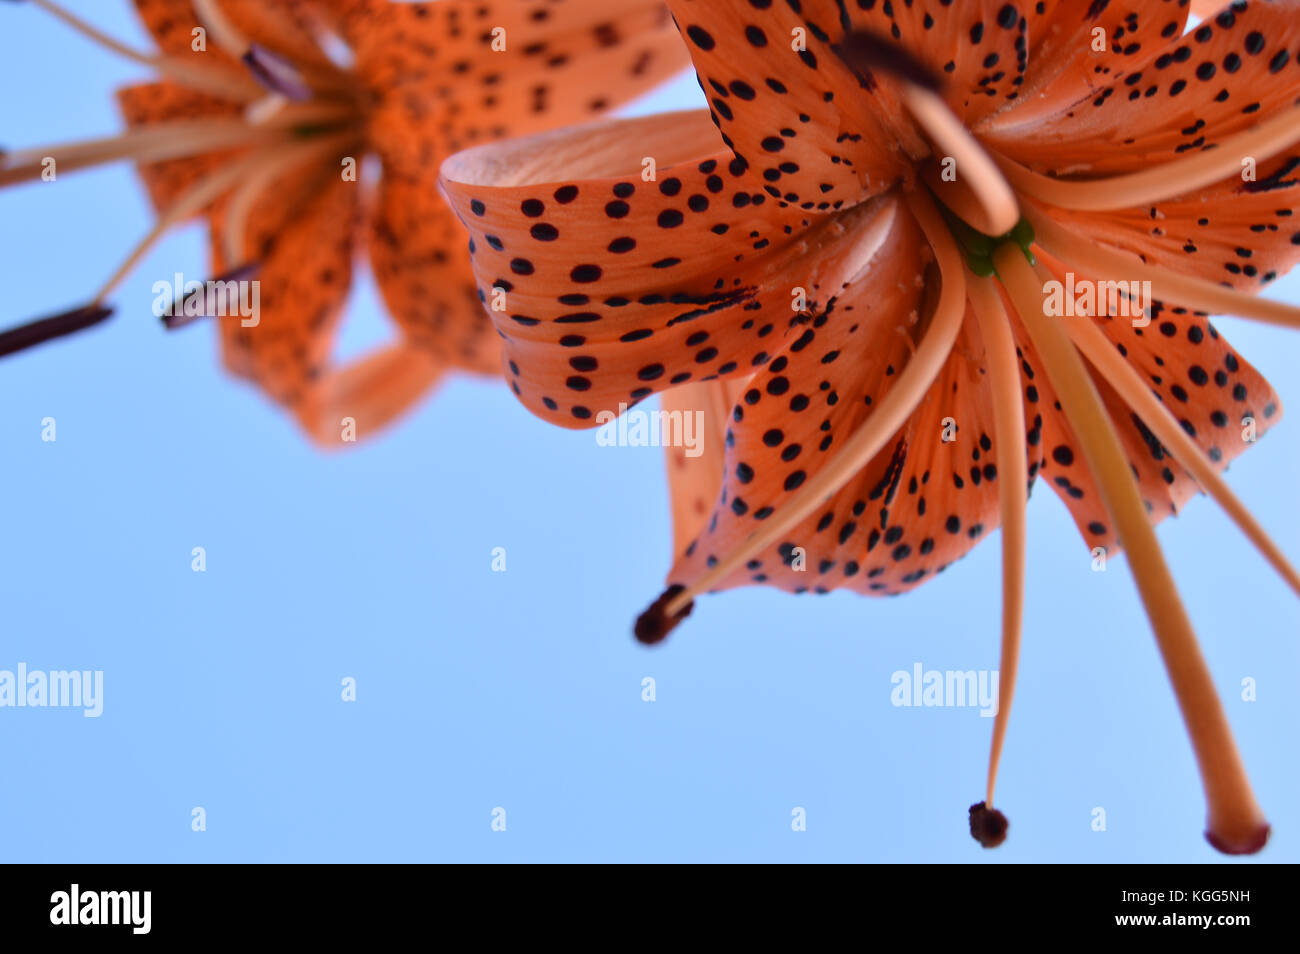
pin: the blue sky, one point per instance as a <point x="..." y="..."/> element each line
<point x="523" y="689"/>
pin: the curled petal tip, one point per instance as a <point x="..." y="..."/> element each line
<point x="55" y="326"/>
<point x="1247" y="843"/>
<point x="655" y="624"/>
<point x="988" y="826"/>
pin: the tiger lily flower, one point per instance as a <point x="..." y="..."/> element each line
<point x="260" y="118"/>
<point x="865" y="249"/>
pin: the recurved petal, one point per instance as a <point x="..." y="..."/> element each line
<point x="1076" y="51"/>
<point x="451" y="75"/>
<point x="1217" y="397"/>
<point x="825" y="128"/>
<point x="417" y="251"/>
<point x="608" y="286"/>
<point x="700" y="410"/>
<point x="1195" y="92"/>
<point x="1243" y="232"/>
<point x="789" y="105"/>
<point x="278" y="25"/>
<point x="352" y="403"/>
<point x="980" y="50"/>
<point x="171" y="23"/>
<point x="301" y="234"/>
<point x="911" y="510"/>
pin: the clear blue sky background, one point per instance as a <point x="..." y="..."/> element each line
<point x="523" y="689"/>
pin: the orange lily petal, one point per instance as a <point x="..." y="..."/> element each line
<point x="541" y="79"/>
<point x="891" y="525"/>
<point x="1195" y="91"/>
<point x="301" y="235"/>
<point x="277" y="25"/>
<point x="355" y="402"/>
<point x="1075" y="54"/>
<point x="821" y="143"/>
<point x="417" y="253"/>
<point x="1243" y="233"/>
<point x="605" y="274"/>
<point x="693" y="481"/>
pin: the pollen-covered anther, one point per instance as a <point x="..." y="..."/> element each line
<point x="988" y="826"/>
<point x="654" y="625"/>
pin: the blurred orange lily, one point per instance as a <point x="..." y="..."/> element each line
<point x="259" y="125"/>
<point x="875" y="258"/>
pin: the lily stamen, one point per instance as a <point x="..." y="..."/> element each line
<point x="244" y="198"/>
<point x="211" y="79"/>
<point x="1235" y="824"/>
<point x="200" y="195"/>
<point x="1128" y="384"/>
<point x="170" y="140"/>
<point x="1166" y="180"/>
<point x="145" y="144"/>
<point x="178" y="317"/>
<point x="270" y="70"/>
<point x="1013" y="496"/>
<point x="213" y="187"/>
<point x="1167" y="286"/>
<point x="54" y="326"/>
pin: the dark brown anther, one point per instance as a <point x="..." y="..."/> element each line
<point x="865" y="53"/>
<point x="176" y="316"/>
<point x="988" y="826"/>
<point x="655" y="624"/>
<point x="276" y="74"/>
<point x="1249" y="845"/>
<point x="55" y="326"/>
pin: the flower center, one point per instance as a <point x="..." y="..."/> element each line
<point x="293" y="116"/>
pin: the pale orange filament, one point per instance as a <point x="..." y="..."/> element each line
<point x="1013" y="496"/>
<point x="1235" y="823"/>
<point x="227" y="83"/>
<point x="976" y="173"/>
<point x="1165" y="180"/>
<point x="231" y="39"/>
<point x="1166" y="286"/>
<point x="227" y="35"/>
<point x="235" y="228"/>
<point x="1101" y="352"/>
<point x="198" y="197"/>
<point x="890" y="413"/>
<point x="160" y="141"/>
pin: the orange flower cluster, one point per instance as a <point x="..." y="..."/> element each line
<point x="913" y="258"/>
